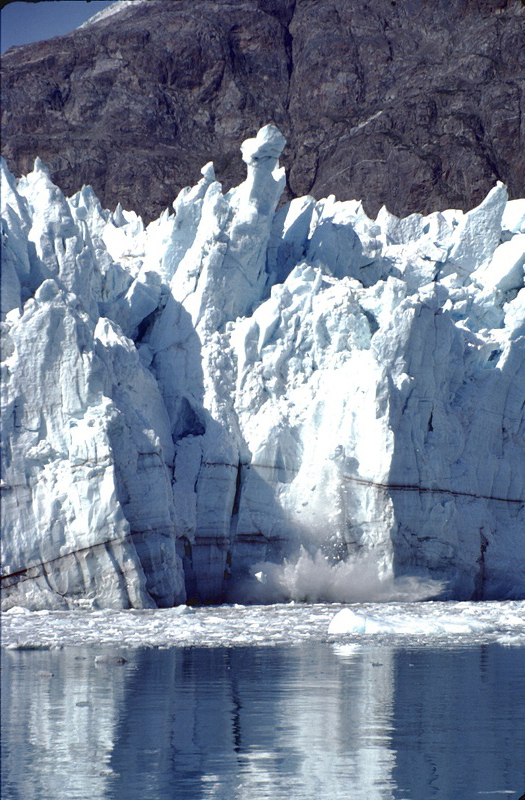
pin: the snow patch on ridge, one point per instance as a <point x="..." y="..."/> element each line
<point x="112" y="9"/>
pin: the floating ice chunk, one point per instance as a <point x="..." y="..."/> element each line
<point x="421" y="625"/>
<point x="348" y="622"/>
<point x="110" y="660"/>
<point x="17" y="610"/>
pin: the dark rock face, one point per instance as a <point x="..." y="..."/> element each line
<point x="415" y="103"/>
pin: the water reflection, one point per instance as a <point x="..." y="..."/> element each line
<point x="459" y="723"/>
<point x="310" y="721"/>
<point x="59" y="718"/>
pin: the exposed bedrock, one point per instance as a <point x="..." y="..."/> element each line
<point x="416" y="105"/>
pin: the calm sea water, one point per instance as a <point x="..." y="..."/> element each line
<point x="310" y="721"/>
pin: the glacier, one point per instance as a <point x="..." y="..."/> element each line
<point x="248" y="401"/>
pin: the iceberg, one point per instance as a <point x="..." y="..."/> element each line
<point x="251" y="401"/>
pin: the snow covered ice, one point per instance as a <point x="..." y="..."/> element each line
<point x="254" y="403"/>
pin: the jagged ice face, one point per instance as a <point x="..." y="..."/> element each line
<point x="243" y="403"/>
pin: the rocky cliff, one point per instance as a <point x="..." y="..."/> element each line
<point x="416" y="105"/>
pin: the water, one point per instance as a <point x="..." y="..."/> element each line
<point x="315" y="717"/>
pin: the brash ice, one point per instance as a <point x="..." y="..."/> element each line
<point x="239" y="402"/>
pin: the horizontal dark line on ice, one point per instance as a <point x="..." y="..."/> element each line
<point x="412" y="487"/>
<point x="387" y="487"/>
<point x="40" y="566"/>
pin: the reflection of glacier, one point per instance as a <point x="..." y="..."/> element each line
<point x="58" y="724"/>
<point x="330" y="722"/>
<point x="186" y="403"/>
<point x="342" y="720"/>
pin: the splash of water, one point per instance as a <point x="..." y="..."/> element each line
<point x="316" y="579"/>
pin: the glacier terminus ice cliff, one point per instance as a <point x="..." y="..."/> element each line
<point x="248" y="402"/>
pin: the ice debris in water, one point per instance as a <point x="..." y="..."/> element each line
<point x="415" y="624"/>
<point x="241" y="400"/>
